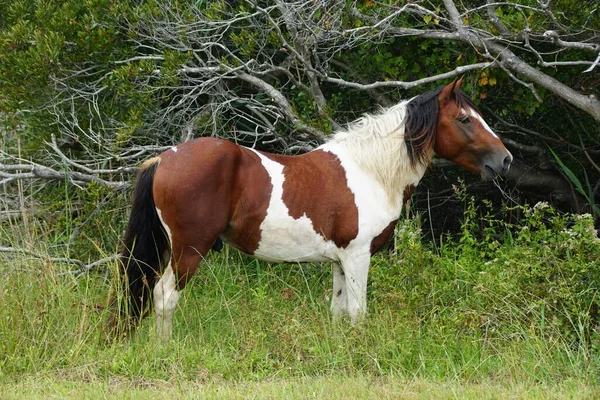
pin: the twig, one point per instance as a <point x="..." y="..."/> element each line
<point x="585" y="151"/>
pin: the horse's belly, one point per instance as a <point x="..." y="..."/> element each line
<point x="288" y="239"/>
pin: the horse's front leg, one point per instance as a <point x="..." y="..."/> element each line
<point x="339" y="303"/>
<point x="356" y="272"/>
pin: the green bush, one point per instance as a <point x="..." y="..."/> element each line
<point x="541" y="274"/>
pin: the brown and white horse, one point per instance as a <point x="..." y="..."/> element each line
<point x="338" y="203"/>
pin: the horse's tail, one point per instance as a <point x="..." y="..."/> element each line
<point x="145" y="246"/>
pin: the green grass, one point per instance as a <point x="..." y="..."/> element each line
<point x="467" y="320"/>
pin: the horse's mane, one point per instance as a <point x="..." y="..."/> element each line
<point x="421" y="120"/>
<point x="396" y="144"/>
<point x="376" y="143"/>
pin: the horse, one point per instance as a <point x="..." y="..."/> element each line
<point x="338" y="203"/>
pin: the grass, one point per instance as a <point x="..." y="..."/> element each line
<point x="461" y="321"/>
<point x="320" y="387"/>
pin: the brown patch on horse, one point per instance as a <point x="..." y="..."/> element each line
<point x="198" y="204"/>
<point x="380" y="240"/>
<point x="315" y="185"/>
<point x="251" y="201"/>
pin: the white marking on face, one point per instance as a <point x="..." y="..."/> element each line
<point x="284" y="238"/>
<point x="174" y="148"/>
<point x="475" y="115"/>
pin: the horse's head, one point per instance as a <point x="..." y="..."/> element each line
<point x="464" y="138"/>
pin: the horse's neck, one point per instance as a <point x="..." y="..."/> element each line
<point x="387" y="164"/>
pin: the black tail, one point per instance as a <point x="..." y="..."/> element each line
<point x="141" y="261"/>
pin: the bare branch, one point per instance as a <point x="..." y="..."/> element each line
<point x="458" y="71"/>
<point x="594" y="64"/>
<point x="82" y="267"/>
<point x="282" y="102"/>
<point x="494" y="20"/>
<point x="555" y="38"/>
<point x="30" y="169"/>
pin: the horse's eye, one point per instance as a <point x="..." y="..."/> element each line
<point x="465" y="120"/>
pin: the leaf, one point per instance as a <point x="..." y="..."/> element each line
<point x="427" y="18"/>
<point x="572" y="177"/>
<point x="590" y="196"/>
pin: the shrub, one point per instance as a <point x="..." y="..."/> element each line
<point x="540" y="275"/>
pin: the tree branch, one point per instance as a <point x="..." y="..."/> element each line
<point x="30" y="169"/>
<point x="458" y="71"/>
<point x="82" y="267"/>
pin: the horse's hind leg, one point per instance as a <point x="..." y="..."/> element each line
<point x="166" y="297"/>
<point x="181" y="268"/>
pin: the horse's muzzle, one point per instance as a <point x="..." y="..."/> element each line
<point x="496" y="164"/>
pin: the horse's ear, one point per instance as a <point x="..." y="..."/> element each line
<point x="458" y="83"/>
<point x="447" y="92"/>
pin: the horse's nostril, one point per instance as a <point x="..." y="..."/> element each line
<point x="506" y="163"/>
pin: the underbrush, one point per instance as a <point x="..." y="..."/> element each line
<point x="503" y="302"/>
<point x="541" y="274"/>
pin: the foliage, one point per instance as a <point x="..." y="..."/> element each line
<point x="42" y="42"/>
<point x="517" y="301"/>
<point x="541" y="273"/>
<point x="588" y="193"/>
<point x="113" y="77"/>
<point x="50" y="45"/>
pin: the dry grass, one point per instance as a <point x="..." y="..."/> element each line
<point x="322" y="387"/>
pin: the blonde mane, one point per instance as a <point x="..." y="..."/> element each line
<point x="376" y="143"/>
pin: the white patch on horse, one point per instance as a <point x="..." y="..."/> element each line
<point x="166" y="297"/>
<point x="474" y="114"/>
<point x="283" y="237"/>
<point x="174" y="148"/>
<point x="166" y="294"/>
<point x="375" y="159"/>
<point x="162" y="221"/>
<point x="376" y="144"/>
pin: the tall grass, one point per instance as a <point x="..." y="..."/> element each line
<point x="494" y="305"/>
